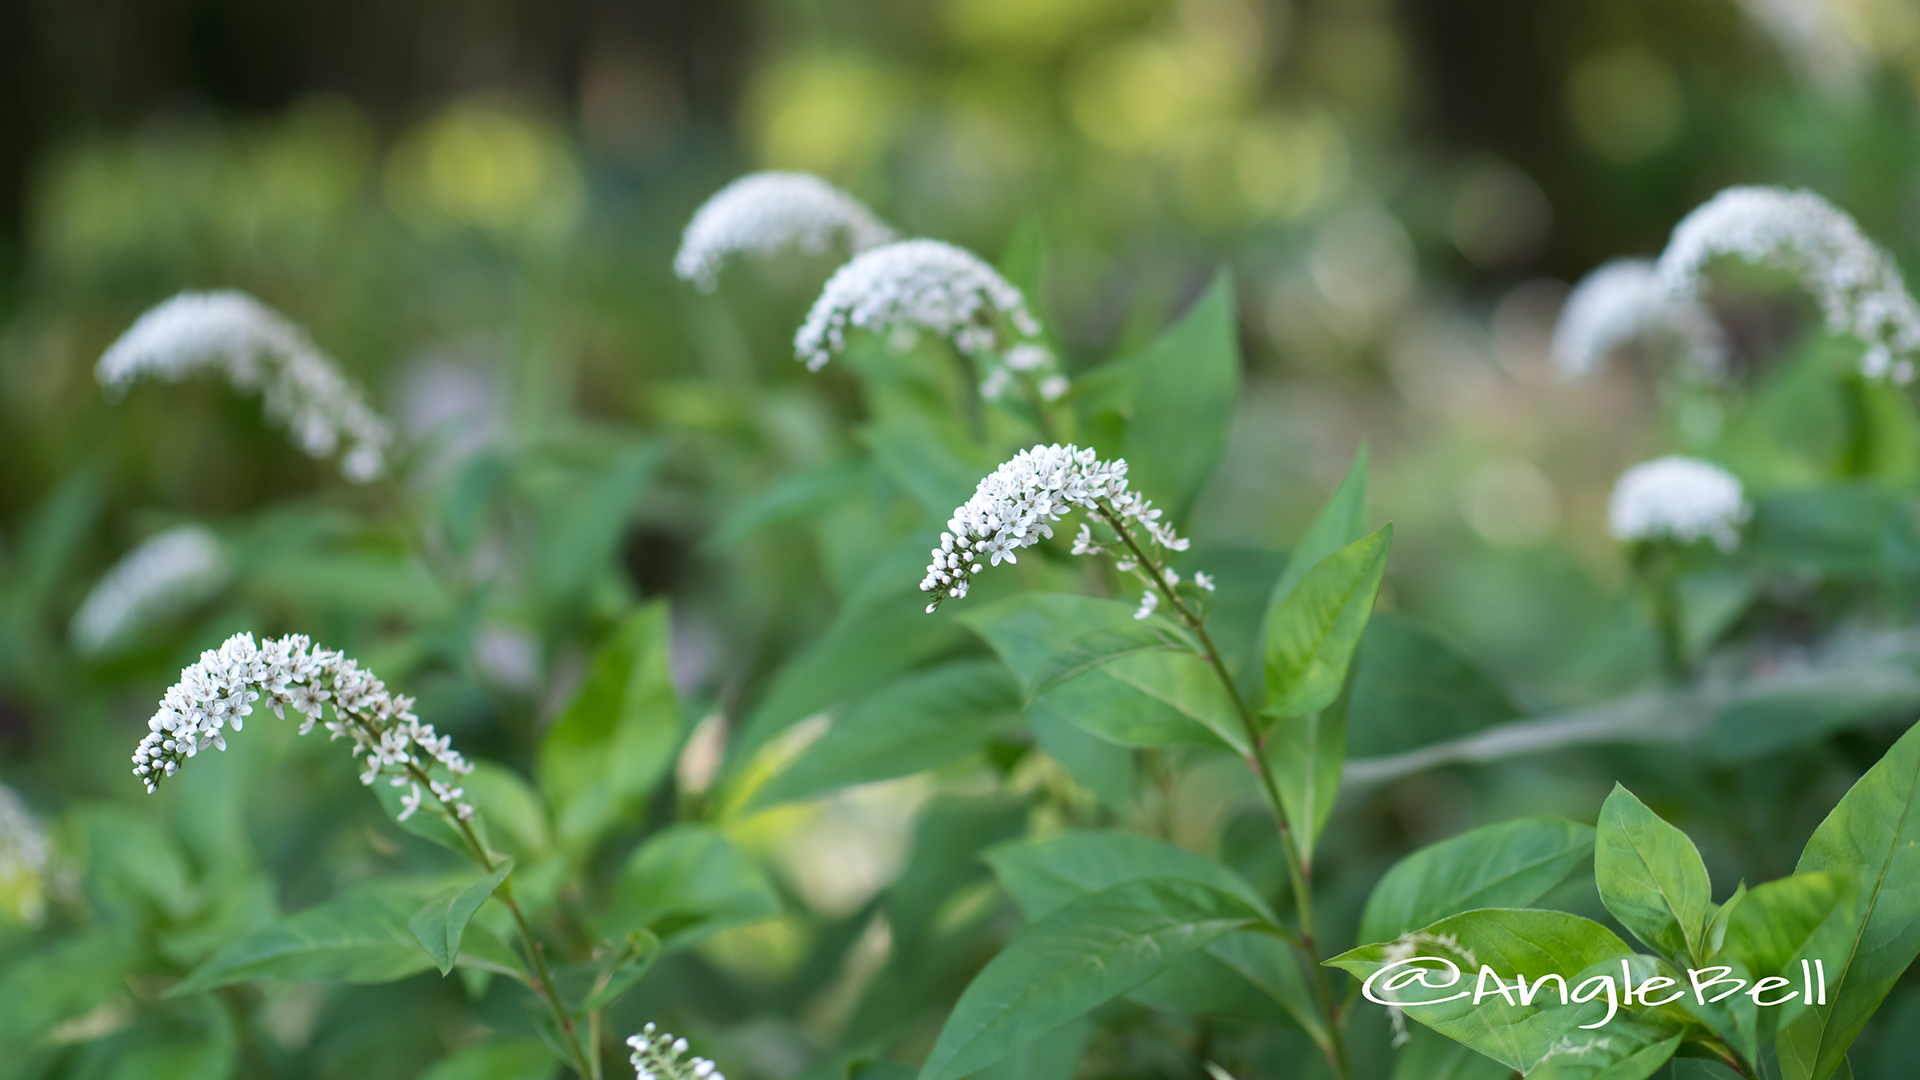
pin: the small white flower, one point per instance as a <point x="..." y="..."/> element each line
<point x="256" y="349"/>
<point x="922" y="284"/>
<point x="165" y="575"/>
<point x="1678" y="498"/>
<point x="410" y="804"/>
<point x="1625" y="302"/>
<point x="1054" y="387"/>
<point x="1204" y="581"/>
<point x="1149" y="603"/>
<point x="1016" y="505"/>
<point x="1858" y="286"/>
<point x="763" y="212"/>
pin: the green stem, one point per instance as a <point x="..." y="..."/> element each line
<point x="1299" y="870"/>
<point x="542" y="977"/>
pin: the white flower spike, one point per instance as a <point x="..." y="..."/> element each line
<point x="933" y="286"/>
<point x="1623" y="303"/>
<point x="1857" y="285"/>
<point x="1678" y="498"/>
<point x="657" y="1055"/>
<point x="763" y="212"/>
<point x="163" y="576"/>
<point x="220" y="690"/>
<point x="1016" y="505"/>
<point x="256" y="349"/>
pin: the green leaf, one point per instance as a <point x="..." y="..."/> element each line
<point x="1874" y="836"/>
<point x="1081" y="956"/>
<point x="1103" y="767"/>
<point x="1152" y="698"/>
<point x="1651" y="878"/>
<point x="507" y="1059"/>
<point x="1312" y="634"/>
<point x="1428" y="1055"/>
<point x="1511" y="864"/>
<point x="515" y="814"/>
<point x="439" y="926"/>
<point x="360" y="936"/>
<point x="922" y="721"/>
<point x="1341" y="522"/>
<point x="1044" y="876"/>
<point x="626" y="970"/>
<point x="683" y="884"/>
<point x="1306" y="754"/>
<point x="1186" y="385"/>
<point x="1102" y="646"/>
<point x="1778" y="924"/>
<point x="1047" y="875"/>
<point x="1513" y="942"/>
<point x="615" y="741"/>
<point x="584" y="528"/>
<point x="1412" y="689"/>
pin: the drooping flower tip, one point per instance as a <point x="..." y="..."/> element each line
<point x="168" y="573"/>
<point x="1857" y="285"/>
<point x="256" y="349"/>
<point x="1678" y="498"/>
<point x="1015" y="506"/>
<point x="924" y="285"/>
<point x="1626" y="302"/>
<point x="219" y="692"/>
<point x="764" y="212"/>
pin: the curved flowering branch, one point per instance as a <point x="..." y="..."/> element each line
<point x="939" y="288"/>
<point x="167" y="574"/>
<point x="1623" y="303"/>
<point x="1016" y="505"/>
<point x="1857" y="285"/>
<point x="256" y="349"/>
<point x="219" y="692"/>
<point x="763" y="212"/>
<point x="1678" y="498"/>
<point x="657" y="1056"/>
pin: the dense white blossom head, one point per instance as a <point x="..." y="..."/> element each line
<point x="163" y="576"/>
<point x="1678" y="498"/>
<point x="1857" y="285"/>
<point x="659" y="1055"/>
<point x="928" y="285"/>
<point x="1015" y="507"/>
<point x="25" y="858"/>
<point x="218" y="693"/>
<point x="764" y="212"/>
<point x="255" y="349"/>
<point x="1625" y="303"/>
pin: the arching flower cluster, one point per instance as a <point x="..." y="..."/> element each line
<point x="657" y="1055"/>
<point x="1678" y="498"/>
<point x="167" y="574"/>
<point x="1858" y="286"/>
<point x="1016" y="505"/>
<point x="1625" y="303"/>
<point x="764" y="212"/>
<point x="219" y="692"/>
<point x="256" y="349"/>
<point x="936" y="287"/>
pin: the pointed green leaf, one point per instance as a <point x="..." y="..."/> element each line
<point x="1307" y="754"/>
<point x="1044" y="876"/>
<point x="682" y="885"/>
<point x="920" y="722"/>
<point x="1511" y="864"/>
<point x="1312" y="634"/>
<point x="1874" y="836"/>
<point x="1083" y="955"/>
<point x="439" y="926"/>
<point x="1651" y="878"/>
<point x="1187" y="383"/>
<point x="614" y="742"/>
<point x="1101" y="646"/>
<point x="1342" y="521"/>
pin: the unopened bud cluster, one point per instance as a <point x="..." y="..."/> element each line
<point x="657" y="1055"/>
<point x="220" y="691"/>
<point x="1016" y="505"/>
